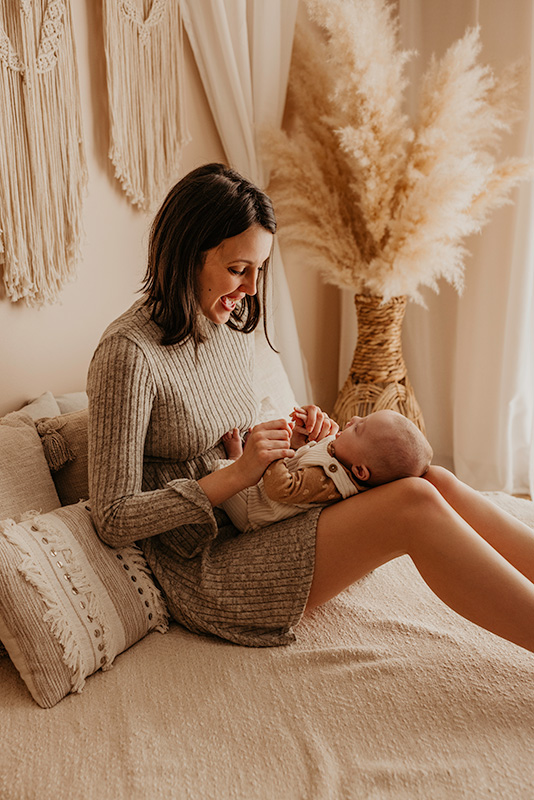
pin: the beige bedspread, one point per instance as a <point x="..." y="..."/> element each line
<point x="386" y="694"/>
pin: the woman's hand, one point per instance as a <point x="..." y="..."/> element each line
<point x="311" y="425"/>
<point x="265" y="443"/>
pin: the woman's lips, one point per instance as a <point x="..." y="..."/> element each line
<point x="228" y="302"/>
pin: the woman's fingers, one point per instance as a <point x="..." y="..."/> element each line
<point x="274" y="424"/>
<point x="271" y="439"/>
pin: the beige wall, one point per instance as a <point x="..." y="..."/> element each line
<point x="49" y="348"/>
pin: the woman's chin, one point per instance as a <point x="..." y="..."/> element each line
<point x="217" y="315"/>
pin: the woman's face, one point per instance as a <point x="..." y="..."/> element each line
<point x="230" y="272"/>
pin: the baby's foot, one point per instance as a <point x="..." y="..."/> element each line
<point x="232" y="444"/>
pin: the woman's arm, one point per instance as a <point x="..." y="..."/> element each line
<point x="121" y="393"/>
<point x="266" y="443"/>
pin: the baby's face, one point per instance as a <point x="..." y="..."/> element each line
<point x="358" y="442"/>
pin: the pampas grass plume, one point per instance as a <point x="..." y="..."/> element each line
<point x="383" y="206"/>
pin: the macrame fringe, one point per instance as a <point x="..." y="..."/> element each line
<point x="145" y="70"/>
<point x="42" y="158"/>
<point x="56" y="448"/>
<point x="54" y="617"/>
<point x="81" y="582"/>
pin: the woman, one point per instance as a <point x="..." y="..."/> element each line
<point x="174" y="373"/>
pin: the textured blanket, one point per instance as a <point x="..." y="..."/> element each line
<point x="386" y="694"/>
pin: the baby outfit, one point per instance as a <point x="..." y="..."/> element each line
<point x="312" y="477"/>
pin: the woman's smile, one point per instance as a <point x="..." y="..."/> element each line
<point x="230" y="272"/>
<point x="230" y="302"/>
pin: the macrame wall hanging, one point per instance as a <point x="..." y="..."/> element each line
<point x="144" y="53"/>
<point x="42" y="160"/>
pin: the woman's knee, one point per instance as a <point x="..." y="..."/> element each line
<point x="443" y="480"/>
<point x="415" y="492"/>
<point x="419" y="506"/>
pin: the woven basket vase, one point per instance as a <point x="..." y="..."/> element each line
<point x="377" y="378"/>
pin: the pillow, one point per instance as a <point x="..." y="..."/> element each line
<point x="43" y="406"/>
<point x="69" y="603"/>
<point x="72" y="401"/>
<point x="64" y="441"/>
<point x="25" y="480"/>
<point x="271" y="383"/>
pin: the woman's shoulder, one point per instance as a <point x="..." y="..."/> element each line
<point x="134" y="324"/>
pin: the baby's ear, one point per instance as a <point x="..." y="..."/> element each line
<point x="360" y="472"/>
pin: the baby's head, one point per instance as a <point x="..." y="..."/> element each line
<point x="382" y="447"/>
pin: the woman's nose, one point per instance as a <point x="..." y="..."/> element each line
<point x="250" y="282"/>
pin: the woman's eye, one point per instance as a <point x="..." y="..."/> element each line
<point x="237" y="271"/>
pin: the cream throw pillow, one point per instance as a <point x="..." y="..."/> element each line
<point x="69" y="604"/>
<point x="45" y="405"/>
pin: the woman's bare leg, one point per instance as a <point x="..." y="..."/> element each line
<point x="511" y="538"/>
<point x="410" y="516"/>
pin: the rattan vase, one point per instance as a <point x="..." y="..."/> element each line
<point x="377" y="378"/>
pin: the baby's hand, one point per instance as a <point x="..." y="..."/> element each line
<point x="232" y="444"/>
<point x="311" y="424"/>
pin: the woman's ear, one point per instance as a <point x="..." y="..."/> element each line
<point x="360" y="472"/>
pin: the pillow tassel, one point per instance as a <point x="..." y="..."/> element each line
<point x="56" y="448"/>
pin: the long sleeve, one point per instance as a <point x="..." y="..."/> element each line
<point x="305" y="485"/>
<point x="121" y="389"/>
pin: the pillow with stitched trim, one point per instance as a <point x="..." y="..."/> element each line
<point x="69" y="604"/>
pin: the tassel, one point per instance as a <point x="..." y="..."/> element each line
<point x="56" y="448"/>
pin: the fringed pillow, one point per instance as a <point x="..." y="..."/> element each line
<point x="69" y="604"/>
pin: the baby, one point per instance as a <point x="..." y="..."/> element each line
<point x="372" y="450"/>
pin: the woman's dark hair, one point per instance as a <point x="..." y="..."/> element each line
<point x="210" y="204"/>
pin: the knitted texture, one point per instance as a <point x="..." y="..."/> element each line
<point x="156" y="417"/>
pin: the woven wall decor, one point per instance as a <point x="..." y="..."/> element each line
<point x="144" y="54"/>
<point x="42" y="159"/>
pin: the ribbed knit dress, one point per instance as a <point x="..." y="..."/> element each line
<point x="156" y="417"/>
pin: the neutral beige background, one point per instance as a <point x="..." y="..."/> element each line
<point x="50" y="348"/>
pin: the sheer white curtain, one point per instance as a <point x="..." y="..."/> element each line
<point x="243" y="51"/>
<point x="471" y="359"/>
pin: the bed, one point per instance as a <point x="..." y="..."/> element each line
<point x="386" y="693"/>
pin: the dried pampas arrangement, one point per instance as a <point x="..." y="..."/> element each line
<point x="383" y="205"/>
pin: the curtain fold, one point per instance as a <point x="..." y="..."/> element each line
<point x="243" y="49"/>
<point x="471" y="359"/>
